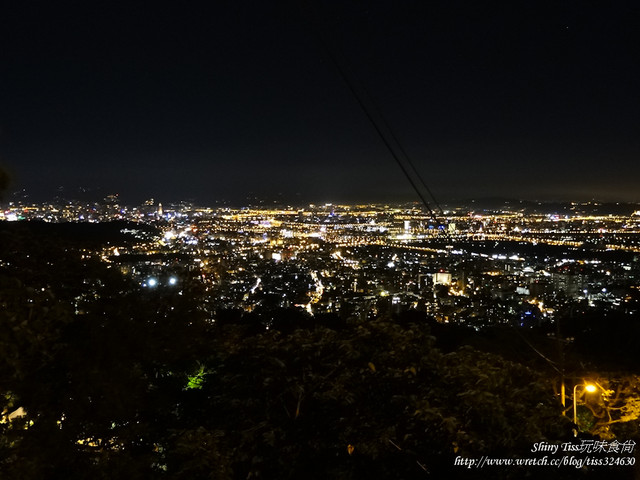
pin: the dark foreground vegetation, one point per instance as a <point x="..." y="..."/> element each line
<point x="117" y="381"/>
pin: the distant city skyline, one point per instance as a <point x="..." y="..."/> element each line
<point x="402" y="194"/>
<point x="526" y="101"/>
<point x="100" y="197"/>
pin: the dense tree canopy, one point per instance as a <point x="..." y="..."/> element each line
<point x="117" y="381"/>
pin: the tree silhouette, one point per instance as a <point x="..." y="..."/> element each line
<point x="117" y="381"/>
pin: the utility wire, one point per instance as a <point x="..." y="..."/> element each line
<point x="371" y="112"/>
<point x="408" y="159"/>
<point x="544" y="357"/>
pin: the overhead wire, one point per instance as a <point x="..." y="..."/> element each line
<point x="375" y="117"/>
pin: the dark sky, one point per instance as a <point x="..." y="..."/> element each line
<point x="526" y="99"/>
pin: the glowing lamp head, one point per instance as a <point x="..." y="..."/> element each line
<point x="590" y="388"/>
<point x="173" y="280"/>
<point x="152" y="282"/>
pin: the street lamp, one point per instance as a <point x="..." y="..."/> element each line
<point x="589" y="388"/>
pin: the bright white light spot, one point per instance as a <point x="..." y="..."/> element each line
<point x="173" y="280"/>
<point x="152" y="282"/>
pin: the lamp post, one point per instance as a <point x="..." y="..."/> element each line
<point x="588" y="387"/>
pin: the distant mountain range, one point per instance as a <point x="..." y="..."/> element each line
<point x="529" y="206"/>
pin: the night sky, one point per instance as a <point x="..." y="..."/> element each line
<point x="522" y="99"/>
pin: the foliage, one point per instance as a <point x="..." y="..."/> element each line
<point x="616" y="401"/>
<point x="291" y="405"/>
<point x="97" y="365"/>
<point x="106" y="387"/>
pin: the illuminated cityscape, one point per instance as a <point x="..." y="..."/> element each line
<point x="476" y="268"/>
<point x="319" y="240"/>
<point x="209" y="289"/>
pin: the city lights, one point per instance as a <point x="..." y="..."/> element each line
<point x="480" y="271"/>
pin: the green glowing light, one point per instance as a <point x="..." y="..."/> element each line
<point x="196" y="380"/>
